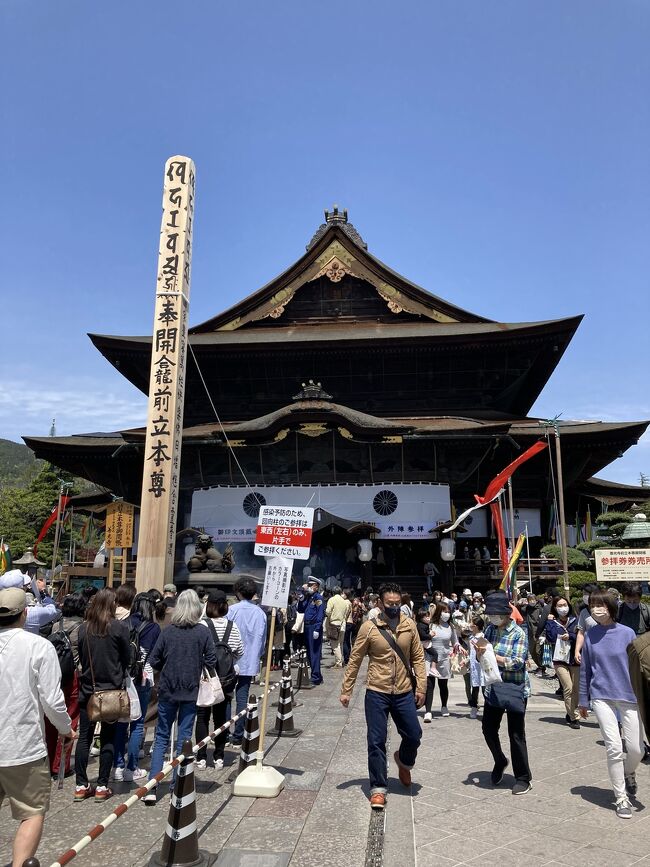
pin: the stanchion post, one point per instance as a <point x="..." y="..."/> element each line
<point x="284" y="718"/>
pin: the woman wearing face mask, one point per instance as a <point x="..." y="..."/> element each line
<point x="510" y="646"/>
<point x="605" y="682"/>
<point x="443" y="638"/>
<point x="561" y="633"/>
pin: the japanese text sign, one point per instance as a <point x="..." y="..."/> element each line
<point x="119" y="525"/>
<point x="277" y="581"/>
<point x="284" y="531"/>
<point x="622" y="564"/>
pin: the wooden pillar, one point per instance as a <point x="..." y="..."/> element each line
<point x="162" y="457"/>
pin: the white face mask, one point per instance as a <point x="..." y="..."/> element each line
<point x="600" y="614"/>
<point x="445" y="616"/>
<point x="585" y="598"/>
<point x="495" y="619"/>
<point x="562" y="610"/>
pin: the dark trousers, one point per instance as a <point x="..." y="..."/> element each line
<point x="314" y="646"/>
<point x="351" y="631"/>
<point x="404" y="714"/>
<point x="431" y="686"/>
<point x="203" y="728"/>
<point x="473" y="699"/>
<point x="107" y="750"/>
<point x="516" y="732"/>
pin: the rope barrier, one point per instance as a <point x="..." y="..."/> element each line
<point x="121" y="809"/>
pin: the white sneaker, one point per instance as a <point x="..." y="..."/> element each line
<point x="218" y="764"/>
<point x="117" y="775"/>
<point x="444" y="710"/>
<point x="137" y="774"/>
<point x="200" y="764"/>
<point x="473" y="712"/>
<point x="428" y="717"/>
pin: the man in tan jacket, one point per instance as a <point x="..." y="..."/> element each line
<point x="336" y="615"/>
<point x="395" y="656"/>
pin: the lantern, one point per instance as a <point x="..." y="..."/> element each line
<point x="448" y="550"/>
<point x="364" y="547"/>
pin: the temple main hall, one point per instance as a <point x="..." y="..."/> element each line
<point x="342" y="385"/>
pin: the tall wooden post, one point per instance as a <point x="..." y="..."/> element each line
<point x="162" y="455"/>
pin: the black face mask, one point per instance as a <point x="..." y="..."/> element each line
<point x="391" y="611"/>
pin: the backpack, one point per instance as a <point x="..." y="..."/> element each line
<point x="225" y="657"/>
<point x="136" y="664"/>
<point x="63" y="646"/>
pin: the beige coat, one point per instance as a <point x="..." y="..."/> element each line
<point x="386" y="672"/>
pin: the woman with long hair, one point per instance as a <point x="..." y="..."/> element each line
<point x="144" y="633"/>
<point x="561" y="631"/>
<point x="103" y="645"/>
<point x="184" y="648"/>
<point x="605" y="682"/>
<point x="227" y="632"/>
<point x="438" y="656"/>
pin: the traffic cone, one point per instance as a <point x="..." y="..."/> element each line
<point x="286" y="672"/>
<point x="251" y="740"/>
<point x="180" y="846"/>
<point x="284" y="718"/>
<point x="302" y="678"/>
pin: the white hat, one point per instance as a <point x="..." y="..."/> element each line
<point x="467" y="592"/>
<point x="14" y="578"/>
<point x="477" y="595"/>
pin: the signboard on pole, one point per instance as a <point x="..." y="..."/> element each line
<point x="119" y="525"/>
<point x="622" y="564"/>
<point x="284" y="531"/>
<point x="162" y="455"/>
<point x="277" y="580"/>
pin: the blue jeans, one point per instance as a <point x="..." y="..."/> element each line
<point x="134" y="735"/>
<point x="168" y="712"/>
<point x="403" y="711"/>
<point x="241" y="700"/>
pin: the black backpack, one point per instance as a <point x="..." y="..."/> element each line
<point x="63" y="646"/>
<point x="136" y="665"/>
<point x="225" y="666"/>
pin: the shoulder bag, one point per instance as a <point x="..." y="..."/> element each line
<point x="385" y="633"/>
<point x="106" y="705"/>
<point x="507" y="696"/>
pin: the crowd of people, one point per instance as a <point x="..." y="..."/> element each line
<point x="62" y="661"/>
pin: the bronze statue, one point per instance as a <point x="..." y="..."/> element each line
<point x="206" y="557"/>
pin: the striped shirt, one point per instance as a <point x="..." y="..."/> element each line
<point x="234" y="641"/>
<point x="511" y="642"/>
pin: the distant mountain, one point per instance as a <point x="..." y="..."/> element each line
<point x="18" y="466"/>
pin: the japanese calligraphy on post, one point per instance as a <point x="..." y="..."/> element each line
<point x="119" y="525"/>
<point x="284" y="531"/>
<point x="624" y="564"/>
<point x="277" y="580"/>
<point x="162" y="456"/>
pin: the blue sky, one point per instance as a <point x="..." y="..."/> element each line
<point x="495" y="153"/>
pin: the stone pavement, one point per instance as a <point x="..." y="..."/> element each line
<point x="451" y="816"/>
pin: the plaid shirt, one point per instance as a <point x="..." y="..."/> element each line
<point x="511" y="642"/>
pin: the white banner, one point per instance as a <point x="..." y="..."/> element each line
<point x="400" y="511"/>
<point x="622" y="564"/>
<point x="277" y="580"/>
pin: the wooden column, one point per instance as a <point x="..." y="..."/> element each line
<point x="162" y="456"/>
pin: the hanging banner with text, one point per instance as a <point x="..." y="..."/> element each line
<point x="119" y="525"/>
<point x="162" y="453"/>
<point x="277" y="580"/>
<point x="284" y="531"/>
<point x="622" y="564"/>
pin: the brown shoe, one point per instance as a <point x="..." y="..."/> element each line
<point x="378" y="801"/>
<point x="103" y="793"/>
<point x="403" y="773"/>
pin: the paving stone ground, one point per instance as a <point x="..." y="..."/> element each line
<point x="451" y="816"/>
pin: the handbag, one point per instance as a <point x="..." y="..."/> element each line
<point x="135" y="710"/>
<point x="399" y="653"/>
<point x="507" y="696"/>
<point x="333" y="631"/>
<point x="459" y="663"/>
<point x="210" y="689"/>
<point x="299" y="626"/>
<point x="106" y="705"/>
<point x="562" y="651"/>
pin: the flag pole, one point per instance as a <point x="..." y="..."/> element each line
<point x="560" y="499"/>
<point x="530" y="576"/>
<point x="57" y="529"/>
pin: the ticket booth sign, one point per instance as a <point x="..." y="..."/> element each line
<point x="284" y="531"/>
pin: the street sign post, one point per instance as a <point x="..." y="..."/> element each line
<point x="284" y="531"/>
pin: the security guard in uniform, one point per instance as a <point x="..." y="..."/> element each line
<point x="314" y="614"/>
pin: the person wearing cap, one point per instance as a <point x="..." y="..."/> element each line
<point x="30" y="675"/>
<point x="41" y="610"/>
<point x="395" y="654"/>
<point x="510" y="645"/>
<point x="251" y="621"/>
<point x="314" y="615"/>
<point x="223" y="631"/>
<point x="169" y="595"/>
